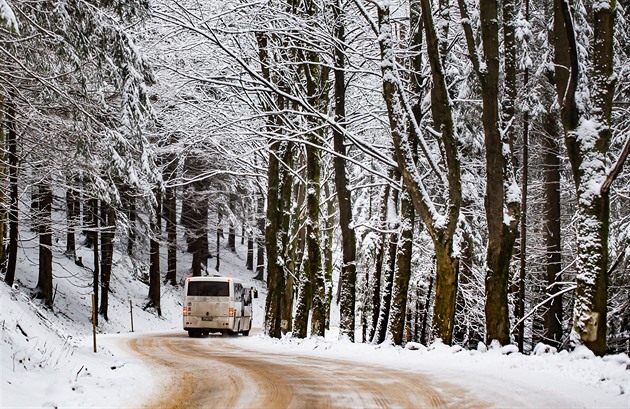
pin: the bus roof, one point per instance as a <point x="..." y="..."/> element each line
<point x="214" y="278"/>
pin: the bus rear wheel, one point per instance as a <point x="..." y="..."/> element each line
<point x="194" y="333"/>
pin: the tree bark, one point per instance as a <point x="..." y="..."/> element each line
<point x="93" y="235"/>
<point x="170" y="205"/>
<point x="44" y="228"/>
<point x="552" y="166"/>
<point x="260" y="238"/>
<point x="107" y="253"/>
<point x="378" y="271"/>
<point x="441" y="227"/>
<point x="3" y="197"/>
<point x="154" y="256"/>
<point x="348" y="275"/>
<point x="403" y="271"/>
<point x="249" y="263"/>
<point x="502" y="210"/>
<point x="587" y="138"/>
<point x="328" y="250"/>
<point x="72" y="213"/>
<point x="388" y="282"/>
<point x="133" y="216"/>
<point x="13" y="191"/>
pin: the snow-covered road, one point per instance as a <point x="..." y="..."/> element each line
<point x="217" y="372"/>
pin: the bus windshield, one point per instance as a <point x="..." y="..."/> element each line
<point x="208" y="289"/>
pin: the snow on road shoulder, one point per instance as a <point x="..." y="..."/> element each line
<point x="508" y="379"/>
<point x="42" y="365"/>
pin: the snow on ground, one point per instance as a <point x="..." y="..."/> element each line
<point x="46" y="357"/>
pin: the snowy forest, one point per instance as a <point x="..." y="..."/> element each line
<point x="446" y="169"/>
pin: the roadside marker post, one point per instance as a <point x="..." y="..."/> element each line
<point x="131" y="313"/>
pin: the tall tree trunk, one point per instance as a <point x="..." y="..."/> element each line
<point x="72" y="212"/>
<point x="219" y="237"/>
<point x="275" y="274"/>
<point x="3" y="197"/>
<point x="328" y="250"/>
<point x="133" y="216"/>
<point x="249" y="264"/>
<point x="502" y="210"/>
<point x="400" y="114"/>
<point x="93" y="235"/>
<point x="587" y="138"/>
<point x="170" y="207"/>
<point x="88" y="219"/>
<point x="13" y="191"/>
<point x="107" y="254"/>
<point x="348" y="276"/>
<point x="552" y="230"/>
<point x="286" y="195"/>
<point x="154" y="256"/>
<point x="378" y="271"/>
<point x="231" y="229"/>
<point x="296" y="252"/>
<point x="388" y="282"/>
<point x="520" y="310"/>
<point x="260" y="238"/>
<point x="403" y="271"/>
<point x="44" y="228"/>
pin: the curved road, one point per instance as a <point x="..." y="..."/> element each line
<point x="215" y="372"/>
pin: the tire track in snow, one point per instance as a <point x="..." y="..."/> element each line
<point x="216" y="372"/>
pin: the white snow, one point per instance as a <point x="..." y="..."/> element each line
<point x="7" y="17"/>
<point x="51" y="363"/>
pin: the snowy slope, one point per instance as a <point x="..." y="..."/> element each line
<point x="47" y="357"/>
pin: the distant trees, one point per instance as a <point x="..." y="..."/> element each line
<point x="73" y="104"/>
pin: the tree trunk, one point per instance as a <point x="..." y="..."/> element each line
<point x="284" y="218"/>
<point x="249" y="264"/>
<point x="132" y="225"/>
<point x="107" y="253"/>
<point x="219" y="236"/>
<point x="275" y="275"/>
<point x="170" y="207"/>
<point x="328" y="250"/>
<point x="92" y="215"/>
<point x="231" y="229"/>
<point x="499" y="207"/>
<point x="378" y="271"/>
<point x="3" y="197"/>
<point x="520" y="310"/>
<point x="154" y="256"/>
<point x="403" y="271"/>
<point x="13" y="189"/>
<point x="441" y="227"/>
<point x="72" y="213"/>
<point x="44" y="228"/>
<point x="587" y="138"/>
<point x="425" y="315"/>
<point x="260" y="238"/>
<point x="383" y="318"/>
<point x="553" y="316"/>
<point x="348" y="276"/>
<point x="314" y="292"/>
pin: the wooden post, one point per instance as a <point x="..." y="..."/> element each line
<point x="94" y="320"/>
<point x="131" y="313"/>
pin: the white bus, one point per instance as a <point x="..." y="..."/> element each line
<point x="216" y="304"/>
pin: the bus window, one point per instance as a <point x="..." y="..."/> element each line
<point x="208" y="289"/>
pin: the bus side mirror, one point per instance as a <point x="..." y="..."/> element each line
<point x="255" y="293"/>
